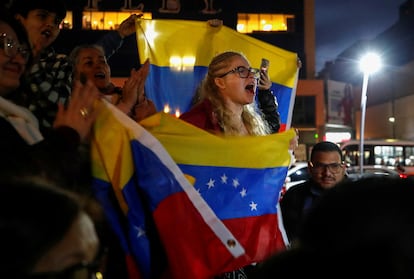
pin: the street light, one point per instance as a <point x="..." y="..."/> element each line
<point x="369" y="63"/>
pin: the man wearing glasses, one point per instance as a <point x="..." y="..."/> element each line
<point x="326" y="170"/>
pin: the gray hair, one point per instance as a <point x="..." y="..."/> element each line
<point x="74" y="55"/>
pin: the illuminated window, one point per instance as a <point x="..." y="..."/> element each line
<point x="67" y="22"/>
<point x="101" y="20"/>
<point x="107" y="20"/>
<point x="248" y="23"/>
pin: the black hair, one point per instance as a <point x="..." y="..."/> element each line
<point x="326" y="146"/>
<point x="6" y="17"/>
<point x="23" y="7"/>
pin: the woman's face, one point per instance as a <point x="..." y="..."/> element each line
<point x="236" y="89"/>
<point x="13" y="59"/>
<point x="42" y="28"/>
<point x="79" y="245"/>
<point x="92" y="64"/>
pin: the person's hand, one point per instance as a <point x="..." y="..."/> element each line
<point x="133" y="89"/>
<point x="80" y="113"/>
<point x="294" y="142"/>
<point x="144" y="109"/>
<point x="127" y="27"/>
<point x="264" y="82"/>
<point x="142" y="75"/>
<point x="299" y="63"/>
<point x="215" y="22"/>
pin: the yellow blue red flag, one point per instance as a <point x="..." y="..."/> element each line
<point x="181" y="50"/>
<point x="185" y="203"/>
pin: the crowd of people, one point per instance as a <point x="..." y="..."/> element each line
<point x="47" y="115"/>
<point x="52" y="226"/>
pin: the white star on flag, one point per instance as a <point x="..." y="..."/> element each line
<point x="243" y="192"/>
<point x="253" y="206"/>
<point x="140" y="231"/>
<point x="224" y="179"/>
<point x="236" y="183"/>
<point x="210" y="184"/>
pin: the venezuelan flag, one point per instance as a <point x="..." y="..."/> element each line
<point x="185" y="203"/>
<point x="181" y="50"/>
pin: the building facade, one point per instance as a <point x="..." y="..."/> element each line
<point x="390" y="94"/>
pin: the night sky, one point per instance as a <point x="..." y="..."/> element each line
<point x="340" y="23"/>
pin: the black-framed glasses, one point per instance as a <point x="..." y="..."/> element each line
<point x="11" y="48"/>
<point x="78" y="271"/>
<point x="243" y="72"/>
<point x="320" y="167"/>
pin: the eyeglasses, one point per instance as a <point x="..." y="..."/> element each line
<point x="78" y="271"/>
<point x="11" y="48"/>
<point x="320" y="167"/>
<point x="243" y="72"/>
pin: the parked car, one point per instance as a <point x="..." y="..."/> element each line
<point x="296" y="174"/>
<point x="374" y="170"/>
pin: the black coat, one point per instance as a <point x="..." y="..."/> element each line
<point x="57" y="157"/>
<point x="295" y="203"/>
<point x="269" y="108"/>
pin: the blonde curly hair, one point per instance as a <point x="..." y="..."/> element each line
<point x="251" y="118"/>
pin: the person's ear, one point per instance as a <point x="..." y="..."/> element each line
<point x="219" y="82"/>
<point x="310" y="166"/>
<point x="21" y="19"/>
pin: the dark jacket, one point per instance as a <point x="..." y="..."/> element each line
<point x="295" y="203"/>
<point x="269" y="107"/>
<point x="57" y="156"/>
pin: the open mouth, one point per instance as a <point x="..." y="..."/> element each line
<point x="250" y="88"/>
<point x="47" y="34"/>
<point x="100" y="75"/>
